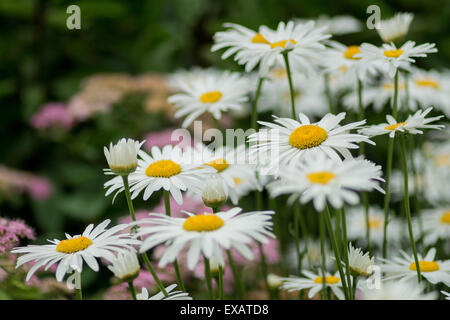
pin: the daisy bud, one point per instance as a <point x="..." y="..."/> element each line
<point x="360" y="264"/>
<point x="274" y="281"/>
<point x="125" y="266"/>
<point x="213" y="194"/>
<point x="214" y="267"/>
<point x="122" y="157"/>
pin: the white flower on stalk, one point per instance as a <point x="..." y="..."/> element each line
<point x="395" y="290"/>
<point x="411" y="125"/>
<point x="122" y="156"/>
<point x="172" y="295"/>
<point x="360" y="263"/>
<point x="97" y="242"/>
<point x="125" y="266"/>
<point x="213" y="194"/>
<point x="396" y="27"/>
<point x="388" y="58"/>
<point x="315" y="283"/>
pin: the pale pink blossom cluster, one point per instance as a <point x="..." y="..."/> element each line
<point x="52" y="115"/>
<point x="165" y="137"/>
<point x="11" y="231"/>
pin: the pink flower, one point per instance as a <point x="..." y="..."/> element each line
<point x="52" y="115"/>
<point x="39" y="188"/>
<point x="11" y="231"/>
<point x="168" y="136"/>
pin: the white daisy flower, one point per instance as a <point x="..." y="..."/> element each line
<point x="446" y="294"/>
<point x="404" y="268"/>
<point x="320" y="180"/>
<point x="336" y="25"/>
<point x="287" y="141"/>
<point x="396" y="27"/>
<point x="232" y="165"/>
<point x="357" y="225"/>
<point x="172" y="295"/>
<point x="389" y="58"/>
<point x="186" y="77"/>
<point x="360" y="263"/>
<point x="122" y="157"/>
<point x="411" y="125"/>
<point x="303" y="41"/>
<point x="213" y="93"/>
<point x="97" y="242"/>
<point x="314" y="283"/>
<point x="436" y="225"/>
<point x="205" y="234"/>
<point x="165" y="169"/>
<point x="394" y="290"/>
<point x="125" y="266"/>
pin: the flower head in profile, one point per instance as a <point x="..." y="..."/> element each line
<point x="122" y="156"/>
<point x="320" y="179"/>
<point x="412" y="125"/>
<point x="172" y="295"/>
<point x="97" y="242"/>
<point x="214" y="93"/>
<point x="396" y="27"/>
<point x="359" y="263"/>
<point x="315" y="283"/>
<point x="205" y="234"/>
<point x="125" y="266"/>
<point x="389" y="58"/>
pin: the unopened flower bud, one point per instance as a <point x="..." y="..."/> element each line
<point x="213" y="194"/>
<point x="125" y="266"/>
<point x="274" y="281"/>
<point x="122" y="157"/>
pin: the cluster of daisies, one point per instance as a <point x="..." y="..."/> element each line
<point x="309" y="160"/>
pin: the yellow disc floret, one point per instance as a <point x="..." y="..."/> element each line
<point x="73" y="245"/>
<point x="328" y="280"/>
<point x="425" y="266"/>
<point x="427" y="83"/>
<point x="445" y="219"/>
<point x="259" y="38"/>
<point x="211" y="96"/>
<point x="199" y="223"/>
<point x="321" y="177"/>
<point x="282" y="43"/>
<point x="395" y="126"/>
<point x="393" y="53"/>
<point x="219" y="164"/>
<point x="351" y="51"/>
<point x="307" y="136"/>
<point x="163" y="169"/>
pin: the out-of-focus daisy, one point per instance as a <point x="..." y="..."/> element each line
<point x="390" y="58"/>
<point x="186" y="77"/>
<point x="122" y="157"/>
<point x="172" y="295"/>
<point x="404" y="268"/>
<point x="97" y="242"/>
<point x="232" y="165"/>
<point x="357" y="225"/>
<point x="411" y="125"/>
<point x="165" y="169"/>
<point x="395" y="290"/>
<point x="436" y="224"/>
<point x="314" y="283"/>
<point x="213" y="93"/>
<point x="359" y="263"/>
<point x="396" y="27"/>
<point x="287" y="141"/>
<point x="206" y="234"/>
<point x="320" y="180"/>
<point x="336" y="25"/>
<point x="125" y="266"/>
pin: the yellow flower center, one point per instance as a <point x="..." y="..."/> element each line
<point x="445" y="219"/>
<point x="321" y="177"/>
<point x="307" y="136"/>
<point x="343" y="69"/>
<point x="219" y="164"/>
<point x="374" y="223"/>
<point x="259" y="38"/>
<point x="395" y="126"/>
<point x="390" y="86"/>
<point x="207" y="222"/>
<point x="211" y="97"/>
<point x="351" y="51"/>
<point x="442" y="160"/>
<point x="163" y="169"/>
<point x="73" y="245"/>
<point x="282" y="43"/>
<point x="425" y="266"/>
<point x="237" y="180"/>
<point x="279" y="73"/>
<point x="427" y="83"/>
<point x="393" y="53"/>
<point x="328" y="280"/>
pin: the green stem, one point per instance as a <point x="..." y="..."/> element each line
<point x="291" y="86"/>
<point x="336" y="252"/>
<point x="406" y="200"/>
<point x="416" y="185"/>
<point x="328" y="92"/>
<point x="322" y="249"/>
<point x="297" y="237"/>
<point x="78" y="285"/>
<point x="143" y="255"/>
<point x="220" y="283"/>
<point x="208" y="278"/>
<point x="237" y="278"/>
<point x="387" y="195"/>
<point x="132" y="290"/>
<point x="255" y="104"/>
<point x="344" y="234"/>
